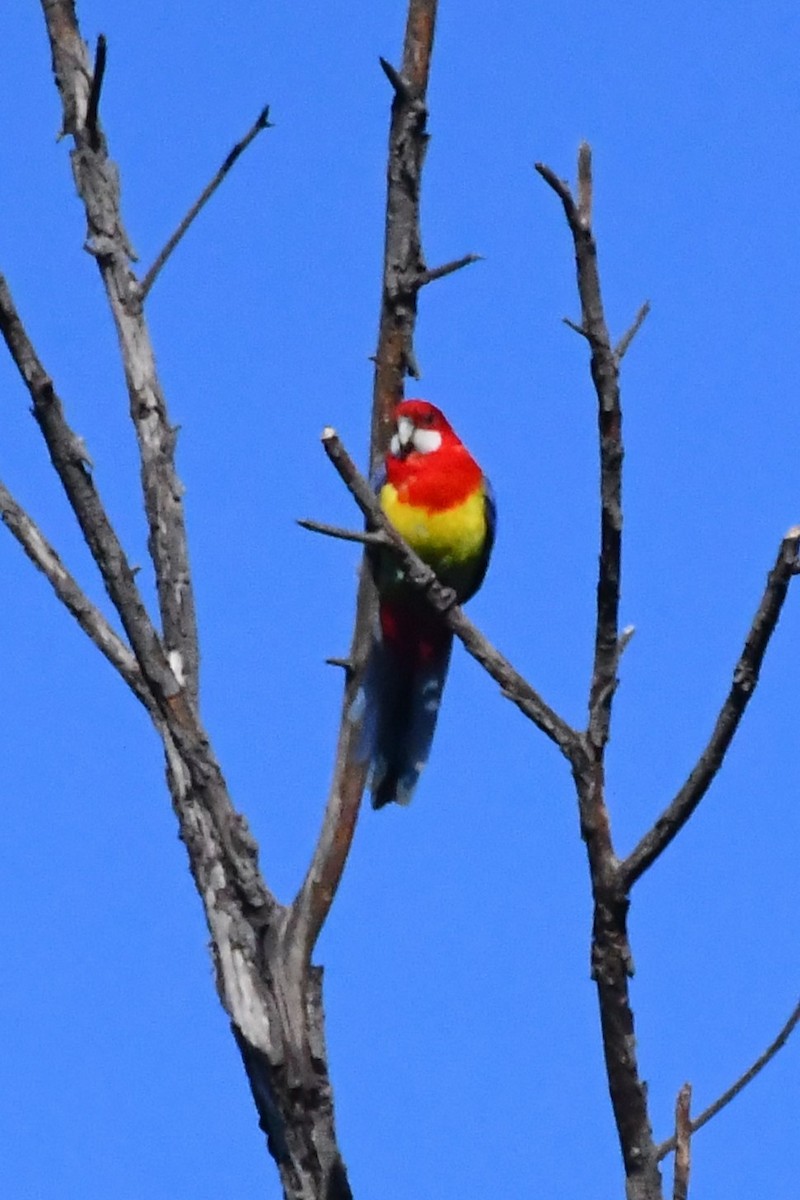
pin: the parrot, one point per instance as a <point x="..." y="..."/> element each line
<point x="438" y="498"/>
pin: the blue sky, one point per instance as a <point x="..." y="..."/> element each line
<point x="462" y="1023"/>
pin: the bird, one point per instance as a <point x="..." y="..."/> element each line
<point x="438" y="498"/>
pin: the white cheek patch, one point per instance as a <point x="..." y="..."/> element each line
<point x="426" y="441"/>
<point x="394" y="446"/>
<point x="405" y="430"/>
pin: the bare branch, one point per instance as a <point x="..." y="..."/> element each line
<point x="623" y="345"/>
<point x="575" y="327"/>
<point x="69" y="592"/>
<point x="741" y="1083"/>
<point x="403" y="264"/>
<point x="605" y="376"/>
<point x="683" y="1144"/>
<point x="434" y="273"/>
<point x="611" y="953"/>
<point x="585" y="186"/>
<point x="261" y="122"/>
<point x="70" y="459"/>
<point x="97" y="181"/>
<point x="366" y="538"/>
<point x="745" y="678"/>
<point x="561" y="189"/>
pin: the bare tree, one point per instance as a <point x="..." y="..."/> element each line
<point x="262" y="948"/>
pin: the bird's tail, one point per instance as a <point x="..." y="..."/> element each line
<point x="403" y="686"/>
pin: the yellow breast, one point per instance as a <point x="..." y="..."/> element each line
<point x="452" y="538"/>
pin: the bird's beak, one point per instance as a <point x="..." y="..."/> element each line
<point x="402" y="442"/>
<point x="405" y="432"/>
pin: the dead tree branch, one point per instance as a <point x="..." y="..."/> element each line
<point x="71" y="595"/>
<point x="624" y="342"/>
<point x="611" y="952"/>
<point x="741" y="1083"/>
<point x="683" y="1144"/>
<point x="458" y="264"/>
<point x="264" y="979"/>
<point x="71" y="461"/>
<point x="403" y="268"/>
<point x="404" y="265"/>
<point x="261" y="122"/>
<point x="745" y="678"/>
<point x="97" y="181"/>
<point x="605" y="376"/>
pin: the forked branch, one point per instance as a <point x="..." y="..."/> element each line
<point x="71" y="461"/>
<point x="740" y="1084"/>
<point x="97" y="181"/>
<point x="611" y="953"/>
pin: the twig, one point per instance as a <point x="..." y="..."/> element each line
<point x="94" y="95"/>
<point x="623" y="345"/>
<point x="71" y="595"/>
<point x="369" y="537"/>
<point x="420" y="575"/>
<point x="741" y="1083"/>
<point x="433" y="273"/>
<point x="683" y="1144"/>
<point x="402" y="264"/>
<point x="605" y="376"/>
<point x="261" y="122"/>
<point x="745" y="678"/>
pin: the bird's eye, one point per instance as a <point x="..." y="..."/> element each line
<point x="427" y="419"/>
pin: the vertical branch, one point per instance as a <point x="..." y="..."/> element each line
<point x="611" y="952"/>
<point x="403" y="262"/>
<point x="403" y="270"/>
<point x="605" y="376"/>
<point x="97" y="181"/>
<point x="683" y="1144"/>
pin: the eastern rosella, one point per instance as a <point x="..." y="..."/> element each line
<point x="438" y="498"/>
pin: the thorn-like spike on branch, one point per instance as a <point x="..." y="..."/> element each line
<point x="574" y="326"/>
<point x="397" y="81"/>
<point x="624" y="342"/>
<point x="345" y="663"/>
<point x="93" y="105"/>
<point x="448" y="268"/>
